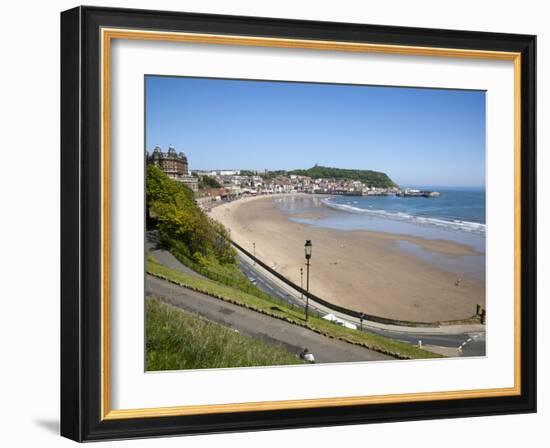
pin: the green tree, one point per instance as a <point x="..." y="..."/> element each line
<point x="208" y="182"/>
<point x="181" y="223"/>
<point x="160" y="188"/>
<point x="247" y="173"/>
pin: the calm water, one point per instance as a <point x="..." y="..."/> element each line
<point x="458" y="209"/>
<point x="457" y="215"/>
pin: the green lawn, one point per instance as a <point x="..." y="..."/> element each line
<point x="280" y="310"/>
<point x="178" y="340"/>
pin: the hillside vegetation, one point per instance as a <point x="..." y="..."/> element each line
<point x="192" y="237"/>
<point x="368" y="177"/>
<point x="182" y="225"/>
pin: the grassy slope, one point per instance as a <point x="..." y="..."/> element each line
<point x="280" y="310"/>
<point x="227" y="274"/>
<point x="179" y="340"/>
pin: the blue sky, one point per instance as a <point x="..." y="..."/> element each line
<point x="416" y="136"/>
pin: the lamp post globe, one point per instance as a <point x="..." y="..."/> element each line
<point x="307" y="249"/>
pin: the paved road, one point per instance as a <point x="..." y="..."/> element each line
<point x="471" y="340"/>
<point x="267" y="285"/>
<point x="260" y="326"/>
<point x="167" y="259"/>
<point x="474" y="346"/>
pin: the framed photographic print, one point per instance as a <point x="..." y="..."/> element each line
<point x="273" y="223"/>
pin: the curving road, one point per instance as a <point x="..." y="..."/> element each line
<point x="293" y="337"/>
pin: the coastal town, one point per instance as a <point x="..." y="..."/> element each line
<point x="234" y="185"/>
<point x="226" y="185"/>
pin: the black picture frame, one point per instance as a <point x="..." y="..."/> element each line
<point x="81" y="224"/>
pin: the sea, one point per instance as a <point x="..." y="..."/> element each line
<point x="458" y="215"/>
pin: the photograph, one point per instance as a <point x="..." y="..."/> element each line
<point x="300" y="223"/>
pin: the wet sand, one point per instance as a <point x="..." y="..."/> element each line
<point x="362" y="270"/>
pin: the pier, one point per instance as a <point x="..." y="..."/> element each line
<point x="409" y="193"/>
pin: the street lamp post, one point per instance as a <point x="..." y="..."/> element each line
<point x="307" y="250"/>
<point x="301" y="284"/>
<point x="254" y="249"/>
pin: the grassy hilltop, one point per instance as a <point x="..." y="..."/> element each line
<point x="368" y="177"/>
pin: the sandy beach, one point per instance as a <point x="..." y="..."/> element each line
<point x="363" y="270"/>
